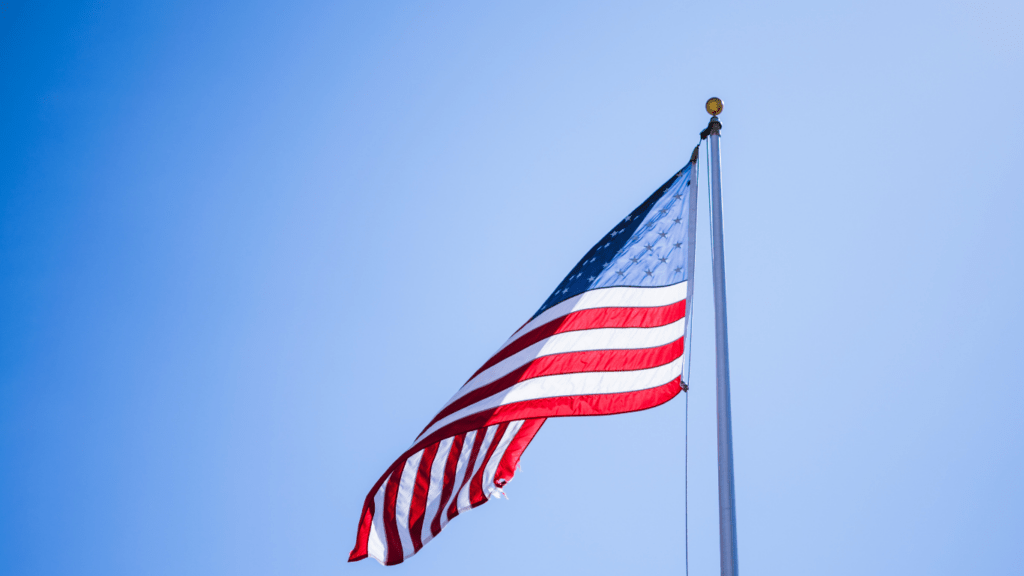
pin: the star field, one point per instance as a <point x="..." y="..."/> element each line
<point x="647" y="248"/>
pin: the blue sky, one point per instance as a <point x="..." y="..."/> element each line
<point x="246" y="252"/>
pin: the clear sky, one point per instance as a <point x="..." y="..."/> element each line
<point x="247" y="250"/>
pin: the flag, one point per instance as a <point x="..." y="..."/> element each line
<point x="608" y="340"/>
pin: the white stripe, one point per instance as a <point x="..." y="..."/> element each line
<point x="578" y="341"/>
<point x="613" y="297"/>
<point x="490" y="485"/>
<point x="464" y="493"/>
<point x="376" y="544"/>
<point x="403" y="501"/>
<point x="375" y="547"/>
<point x="434" y="492"/>
<point x="460" y="473"/>
<point x="570" y="385"/>
<point x="614" y="339"/>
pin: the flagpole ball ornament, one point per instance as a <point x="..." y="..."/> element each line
<point x="714" y="106"/>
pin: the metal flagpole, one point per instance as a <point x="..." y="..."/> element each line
<point x="726" y="487"/>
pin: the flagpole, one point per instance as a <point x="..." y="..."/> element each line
<point x="726" y="486"/>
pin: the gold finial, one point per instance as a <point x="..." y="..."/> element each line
<point x="714" y="106"/>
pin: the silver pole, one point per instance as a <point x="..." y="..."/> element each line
<point x="726" y="486"/>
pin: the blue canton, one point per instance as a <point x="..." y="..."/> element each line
<point x="647" y="248"/>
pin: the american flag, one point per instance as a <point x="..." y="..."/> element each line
<point x="608" y="340"/>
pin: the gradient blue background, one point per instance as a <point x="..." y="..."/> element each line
<point x="247" y="251"/>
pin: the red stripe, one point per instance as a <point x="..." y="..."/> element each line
<point x="395" y="555"/>
<point x="453" y="510"/>
<point x="587" y="405"/>
<point x="648" y="317"/>
<point x="363" y="533"/>
<point x="569" y="363"/>
<point x="476" y="486"/>
<point x="418" y="505"/>
<point x="507" y="468"/>
<point x="446" y="483"/>
<point x="624" y="317"/>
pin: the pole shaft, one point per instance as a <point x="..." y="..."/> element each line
<point x="726" y="488"/>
